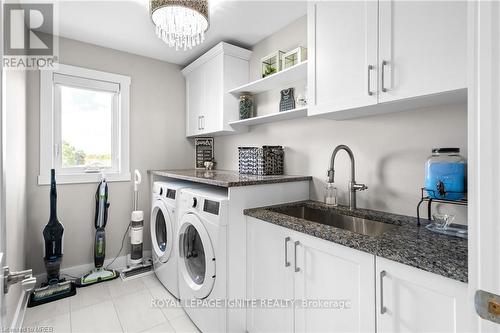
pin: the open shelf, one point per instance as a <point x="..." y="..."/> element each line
<point x="269" y="118"/>
<point x="274" y="81"/>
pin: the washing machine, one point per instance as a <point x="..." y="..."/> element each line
<point x="165" y="199"/>
<point x="202" y="239"/>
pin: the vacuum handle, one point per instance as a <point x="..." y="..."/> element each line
<point x="137" y="179"/>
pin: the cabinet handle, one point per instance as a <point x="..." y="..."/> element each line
<point x="202" y="122"/>
<point x="297" y="269"/>
<point x="382" y="307"/>
<point x="384" y="63"/>
<point x="370" y="68"/>
<point x="287" y="263"/>
<point x="199" y="123"/>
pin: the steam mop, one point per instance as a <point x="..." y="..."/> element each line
<point x="55" y="288"/>
<point x="136" y="265"/>
<point x="99" y="273"/>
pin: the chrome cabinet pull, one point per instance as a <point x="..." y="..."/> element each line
<point x="370" y="68"/>
<point x="202" y="122"/>
<point x="384" y="63"/>
<point x="297" y="269"/>
<point x="287" y="263"/>
<point x="383" y="309"/>
<point x="199" y="123"/>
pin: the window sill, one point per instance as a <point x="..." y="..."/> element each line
<point x="82" y="178"/>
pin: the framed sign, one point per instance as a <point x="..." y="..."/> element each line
<point x="204" y="149"/>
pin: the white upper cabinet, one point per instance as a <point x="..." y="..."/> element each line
<point x="413" y="300"/>
<point x="209" y="105"/>
<point x="363" y="54"/>
<point x="423" y="48"/>
<point x="342" y="39"/>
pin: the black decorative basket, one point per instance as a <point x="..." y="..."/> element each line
<point x="263" y="161"/>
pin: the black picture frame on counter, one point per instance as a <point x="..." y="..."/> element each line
<point x="204" y="150"/>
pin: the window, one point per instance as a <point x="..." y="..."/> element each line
<point x="84" y="124"/>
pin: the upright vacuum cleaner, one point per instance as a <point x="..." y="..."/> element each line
<point x="99" y="273"/>
<point x="55" y="288"/>
<point x="136" y="264"/>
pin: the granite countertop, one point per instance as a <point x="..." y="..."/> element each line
<point x="225" y="178"/>
<point x="408" y="244"/>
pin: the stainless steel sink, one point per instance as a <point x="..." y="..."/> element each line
<point x="329" y="217"/>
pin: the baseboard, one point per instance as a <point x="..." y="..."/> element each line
<point x="79" y="270"/>
<point x="17" y="320"/>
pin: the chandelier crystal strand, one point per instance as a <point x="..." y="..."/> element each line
<point x="180" y="23"/>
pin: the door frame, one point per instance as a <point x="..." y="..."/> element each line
<point x="3" y="310"/>
<point x="483" y="151"/>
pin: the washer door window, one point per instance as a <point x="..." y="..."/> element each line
<point x="197" y="265"/>
<point x="161" y="231"/>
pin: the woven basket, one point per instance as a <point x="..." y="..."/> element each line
<point x="265" y="160"/>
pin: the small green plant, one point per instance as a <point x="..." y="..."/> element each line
<point x="269" y="69"/>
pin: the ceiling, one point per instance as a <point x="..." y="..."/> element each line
<point x="126" y="25"/>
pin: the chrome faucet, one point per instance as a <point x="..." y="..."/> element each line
<point x="353" y="187"/>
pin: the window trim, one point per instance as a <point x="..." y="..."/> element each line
<point x="109" y="81"/>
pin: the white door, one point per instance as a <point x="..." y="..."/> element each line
<point x="270" y="275"/>
<point x="423" y="48"/>
<point x="340" y="275"/>
<point x="412" y="300"/>
<point x="342" y="40"/>
<point x="196" y="256"/>
<point x="195" y="101"/>
<point x="484" y="156"/>
<point x="161" y="228"/>
<point x="213" y="109"/>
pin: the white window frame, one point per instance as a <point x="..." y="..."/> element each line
<point x="50" y="124"/>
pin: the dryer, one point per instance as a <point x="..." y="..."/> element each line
<point x="202" y="239"/>
<point x="163" y="226"/>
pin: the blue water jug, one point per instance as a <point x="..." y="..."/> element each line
<point x="445" y="174"/>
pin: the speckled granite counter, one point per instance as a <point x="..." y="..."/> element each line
<point x="408" y="244"/>
<point x="226" y="178"/>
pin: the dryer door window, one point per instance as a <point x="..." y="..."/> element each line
<point x="197" y="257"/>
<point x="194" y="255"/>
<point x="161" y="232"/>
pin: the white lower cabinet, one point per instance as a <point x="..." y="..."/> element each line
<point x="332" y="285"/>
<point x="412" y="300"/>
<point x="339" y="289"/>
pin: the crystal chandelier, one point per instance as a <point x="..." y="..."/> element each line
<point x="180" y="23"/>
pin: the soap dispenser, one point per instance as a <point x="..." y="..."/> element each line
<point x="330" y="194"/>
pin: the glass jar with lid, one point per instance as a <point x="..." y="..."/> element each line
<point x="246" y="106"/>
<point x="445" y="174"/>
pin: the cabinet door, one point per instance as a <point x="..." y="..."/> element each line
<point x="418" y="301"/>
<point x="194" y="102"/>
<point x="213" y="89"/>
<point x="424" y="47"/>
<point x="331" y="272"/>
<point x="268" y="277"/>
<point x="342" y="44"/>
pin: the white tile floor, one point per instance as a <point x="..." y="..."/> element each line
<point x="113" y="306"/>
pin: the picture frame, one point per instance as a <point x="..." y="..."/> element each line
<point x="204" y="151"/>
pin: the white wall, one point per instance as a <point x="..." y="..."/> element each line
<point x="390" y="150"/>
<point x="157" y="141"/>
<point x="15" y="182"/>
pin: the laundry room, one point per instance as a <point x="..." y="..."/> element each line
<point x="249" y="166"/>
